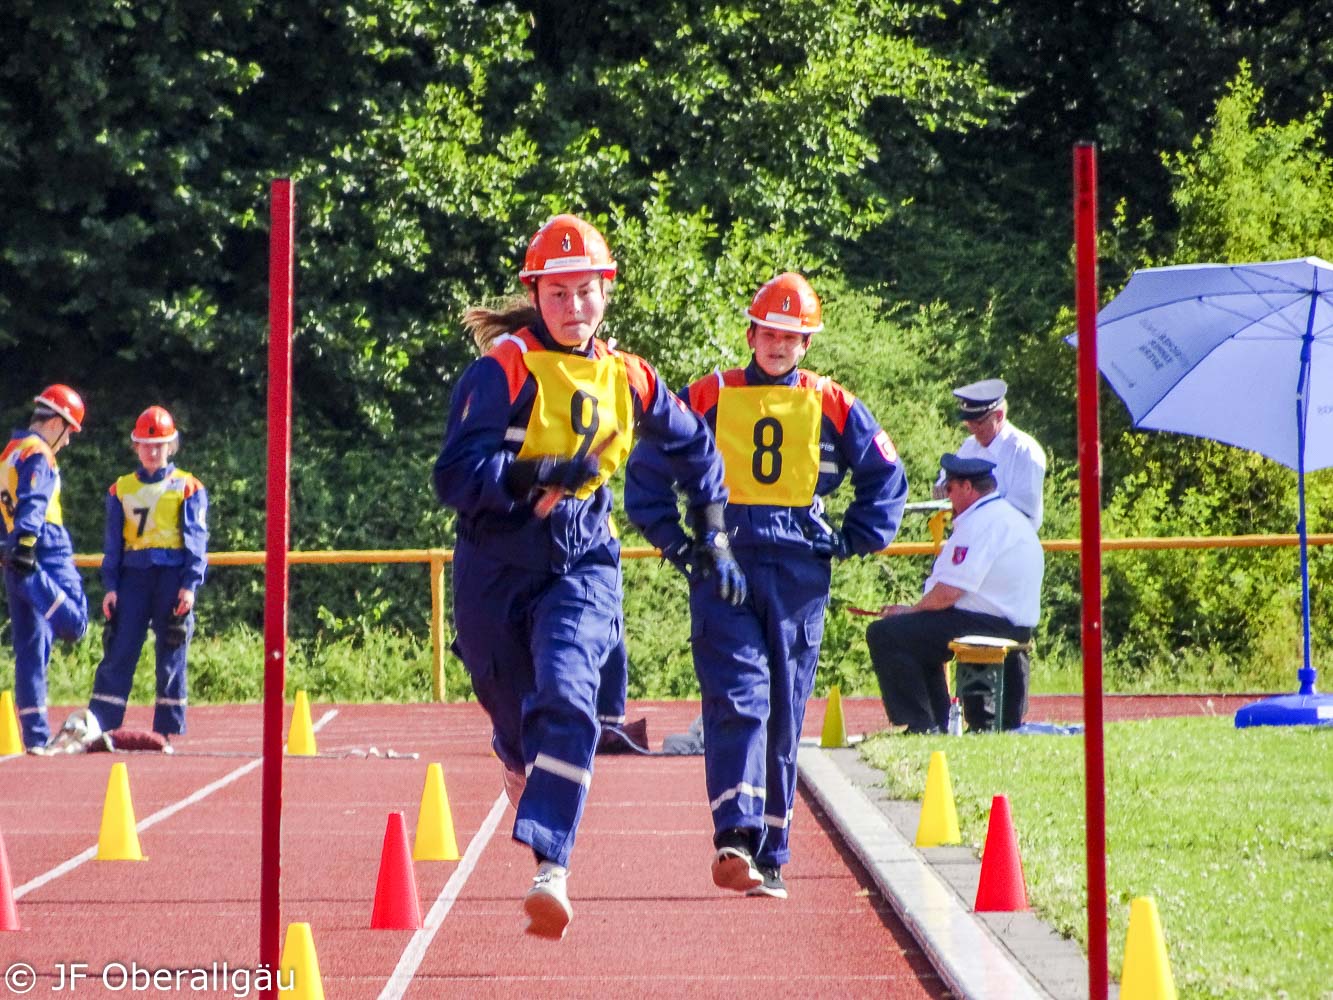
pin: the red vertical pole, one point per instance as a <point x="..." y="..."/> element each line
<point x="281" y="266"/>
<point x="1090" y="517"/>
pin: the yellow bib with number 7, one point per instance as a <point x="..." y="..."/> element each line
<point x="769" y="439"/>
<point x="581" y="402"/>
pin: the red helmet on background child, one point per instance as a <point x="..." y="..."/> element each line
<point x="154" y="426"/>
<point x="63" y="401"/>
<point x="787" y="302"/>
<point x="566" y="244"/>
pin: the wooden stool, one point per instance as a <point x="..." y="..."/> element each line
<point x="979" y="668"/>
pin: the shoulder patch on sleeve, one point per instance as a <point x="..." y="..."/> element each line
<point x="885" y="445"/>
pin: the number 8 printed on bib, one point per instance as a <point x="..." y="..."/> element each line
<point x="769" y="439"/>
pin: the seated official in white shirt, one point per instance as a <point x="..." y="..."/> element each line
<point x="985" y="581"/>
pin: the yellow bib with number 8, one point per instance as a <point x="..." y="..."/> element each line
<point x="769" y="439"/>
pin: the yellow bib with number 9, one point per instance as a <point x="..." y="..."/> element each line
<point x="769" y="439"/>
<point x="581" y="403"/>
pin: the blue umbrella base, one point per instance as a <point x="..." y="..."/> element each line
<point x="1288" y="710"/>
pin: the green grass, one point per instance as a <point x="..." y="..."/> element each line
<point x="1229" y="831"/>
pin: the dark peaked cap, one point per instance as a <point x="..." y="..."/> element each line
<point x="965" y="468"/>
<point x="980" y="398"/>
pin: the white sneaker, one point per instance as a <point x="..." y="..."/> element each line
<point x="80" y="731"/>
<point x="515" y="782"/>
<point x="547" y="902"/>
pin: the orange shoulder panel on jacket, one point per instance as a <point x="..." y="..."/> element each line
<point x="508" y="353"/>
<point x="192" y="486"/>
<point x="835" y="400"/>
<point x="29" y="446"/>
<point x="703" y="392"/>
<point x="642" y="379"/>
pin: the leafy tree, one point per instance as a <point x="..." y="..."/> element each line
<point x="1246" y="189"/>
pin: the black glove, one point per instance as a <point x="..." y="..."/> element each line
<point x="23" y="557"/>
<point x="831" y="545"/>
<point x="713" y="558"/>
<point x="175" y="634"/>
<point x="568" y="474"/>
<point x="678" y="554"/>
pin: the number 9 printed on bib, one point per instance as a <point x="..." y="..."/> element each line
<point x="581" y="403"/>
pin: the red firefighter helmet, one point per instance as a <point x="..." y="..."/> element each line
<point x="565" y="245"/>
<point x="65" y="401"/>
<point x="154" y="426"/>
<point x="787" y="302"/>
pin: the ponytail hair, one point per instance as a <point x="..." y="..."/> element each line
<point x="488" y="322"/>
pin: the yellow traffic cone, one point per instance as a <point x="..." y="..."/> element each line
<point x="835" y="730"/>
<point x="118" y="840"/>
<point x="1146" y="974"/>
<point x="435" y="839"/>
<point x="301" y="734"/>
<point x="10" y="740"/>
<point x="938" y="824"/>
<point x="298" y="971"/>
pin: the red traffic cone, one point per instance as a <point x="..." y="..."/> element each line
<point x="9" y="914"/>
<point x="396" y="905"/>
<point x="1001" y="889"/>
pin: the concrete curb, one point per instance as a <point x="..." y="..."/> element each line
<point x="978" y="956"/>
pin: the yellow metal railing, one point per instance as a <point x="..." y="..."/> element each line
<point x="437" y="559"/>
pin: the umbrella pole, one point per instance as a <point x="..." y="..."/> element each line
<point x="1306" y="675"/>
<point x="1305" y="707"/>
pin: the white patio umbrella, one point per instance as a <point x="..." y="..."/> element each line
<point x="1242" y="354"/>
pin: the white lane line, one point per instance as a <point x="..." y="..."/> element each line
<point x="65" y="867"/>
<point x="416" y="948"/>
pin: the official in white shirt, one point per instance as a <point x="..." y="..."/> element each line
<point x="985" y="581"/>
<point x="1020" y="462"/>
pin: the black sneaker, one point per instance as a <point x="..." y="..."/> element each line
<point x="772" y="885"/>
<point x="733" y="862"/>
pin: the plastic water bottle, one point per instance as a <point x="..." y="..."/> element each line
<point x="955" y="718"/>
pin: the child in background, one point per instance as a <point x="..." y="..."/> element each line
<point x="43" y="587"/>
<point x="156" y="554"/>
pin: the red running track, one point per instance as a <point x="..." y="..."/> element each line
<point x="648" y="921"/>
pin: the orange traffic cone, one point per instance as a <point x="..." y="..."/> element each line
<point x="396" y="905"/>
<point x="9" y="913"/>
<point x="1001" y="889"/>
